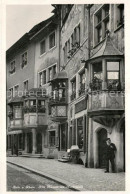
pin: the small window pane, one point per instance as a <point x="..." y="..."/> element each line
<point x="18" y="113"/>
<point x="42" y="47"/>
<point x="113" y="66"/>
<point x="112" y="75"/>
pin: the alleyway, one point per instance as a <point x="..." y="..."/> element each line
<point x="73" y="175"/>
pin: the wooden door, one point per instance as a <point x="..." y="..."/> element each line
<point x="102" y="135"/>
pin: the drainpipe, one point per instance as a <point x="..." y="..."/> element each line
<point x="59" y="31"/>
<point x="88" y="45"/>
<point x="89" y="30"/>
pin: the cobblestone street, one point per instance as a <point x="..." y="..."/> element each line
<point x="77" y="176"/>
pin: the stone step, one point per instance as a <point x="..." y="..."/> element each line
<point x="32" y="155"/>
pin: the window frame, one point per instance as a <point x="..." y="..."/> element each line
<point x="15" y="88"/>
<point x="52" y="46"/>
<point x="44" y="40"/>
<point x="100" y="24"/>
<point x="24" y="84"/>
<point x="113" y="70"/>
<point x="25" y="65"/>
<point x="11" y="69"/>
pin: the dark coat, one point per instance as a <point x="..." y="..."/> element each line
<point x="110" y="151"/>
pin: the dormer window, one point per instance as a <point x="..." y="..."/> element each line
<point x="12" y="67"/>
<point x="24" y="60"/>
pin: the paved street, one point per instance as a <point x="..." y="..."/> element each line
<point x="19" y="179"/>
<point x="77" y="176"/>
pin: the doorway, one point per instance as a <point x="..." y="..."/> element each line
<point x="29" y="142"/>
<point x="102" y="135"/>
<point x="123" y="134"/>
<point x="39" y="143"/>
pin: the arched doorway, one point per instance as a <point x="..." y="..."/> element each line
<point x="39" y="143"/>
<point x="102" y="135"/>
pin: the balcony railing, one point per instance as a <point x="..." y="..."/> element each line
<point x="96" y="85"/>
<point x="56" y="98"/>
<point x="34" y="109"/>
<point x="82" y="89"/>
<point x="102" y="100"/>
<point x="113" y="85"/>
<point x="73" y="96"/>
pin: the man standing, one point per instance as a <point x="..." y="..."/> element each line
<point x="110" y="155"/>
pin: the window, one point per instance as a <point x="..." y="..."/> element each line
<point x="24" y="60"/>
<point x="101" y="23"/>
<point x="54" y="70"/>
<point x="82" y="83"/>
<point x="75" y="42"/>
<point x="120" y="12"/>
<point x="113" y="81"/>
<point x="42" y="47"/>
<point x="80" y="132"/>
<point x="26" y="85"/>
<point x="42" y="78"/>
<point x="96" y="83"/>
<point x="50" y="74"/>
<point x="97" y="70"/>
<point x="41" y="102"/>
<point x="32" y="102"/>
<point x="52" y="138"/>
<point x="17" y="112"/>
<point x="10" y="93"/>
<point x="73" y="84"/>
<point x="16" y="89"/>
<point x="52" y="40"/>
<point x="12" y="67"/>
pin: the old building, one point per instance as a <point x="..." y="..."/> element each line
<point x="106" y="71"/>
<point x="92" y="54"/>
<point x="77" y="68"/>
<point x="31" y="62"/>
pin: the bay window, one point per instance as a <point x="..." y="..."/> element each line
<point x="113" y="81"/>
<point x="17" y="112"/>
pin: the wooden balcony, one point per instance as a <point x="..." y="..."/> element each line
<point x="16" y="123"/>
<point x="104" y="102"/>
<point x="35" y="116"/>
<point x="34" y="119"/>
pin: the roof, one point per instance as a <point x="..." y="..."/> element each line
<point x="39" y="26"/>
<point x="15" y="99"/>
<point x="107" y="49"/>
<point x="24" y="40"/>
<point x="60" y="75"/>
<point x="17" y="45"/>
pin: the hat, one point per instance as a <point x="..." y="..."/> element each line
<point x="108" y="139"/>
